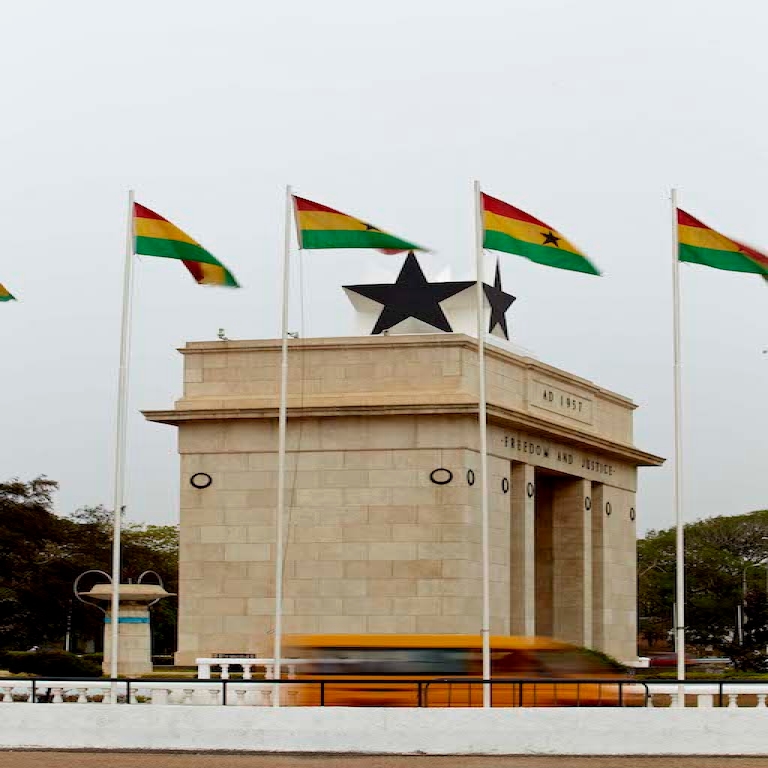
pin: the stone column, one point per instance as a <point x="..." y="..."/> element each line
<point x="572" y="562"/>
<point x="618" y="582"/>
<point x="544" y="557"/>
<point x="522" y="547"/>
<point x="134" y="637"/>
<point x="598" y="567"/>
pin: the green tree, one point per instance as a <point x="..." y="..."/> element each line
<point x="655" y="585"/>
<point x="41" y="555"/>
<point x="724" y="559"/>
<point x="29" y="532"/>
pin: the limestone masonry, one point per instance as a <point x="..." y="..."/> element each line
<point x="383" y="511"/>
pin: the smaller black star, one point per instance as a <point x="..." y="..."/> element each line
<point x="551" y="239"/>
<point x="499" y="302"/>
<point x="370" y="227"/>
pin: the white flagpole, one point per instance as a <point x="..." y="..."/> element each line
<point x="485" y="630"/>
<point x="678" y="475"/>
<point x="120" y="440"/>
<point x="282" y="423"/>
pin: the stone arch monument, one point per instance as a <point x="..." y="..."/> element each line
<point x="383" y="509"/>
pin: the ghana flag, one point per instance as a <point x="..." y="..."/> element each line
<point x="156" y="236"/>
<point x="5" y="294"/>
<point x="322" y="227"/>
<point x="699" y="244"/>
<point x="508" y="229"/>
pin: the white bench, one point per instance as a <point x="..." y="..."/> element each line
<point x="204" y="667"/>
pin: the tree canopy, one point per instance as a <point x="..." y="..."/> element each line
<point x="725" y="572"/>
<point x="42" y="553"/>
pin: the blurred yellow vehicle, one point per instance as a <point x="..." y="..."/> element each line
<point x="442" y="662"/>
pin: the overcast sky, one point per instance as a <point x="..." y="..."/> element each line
<point x="583" y="112"/>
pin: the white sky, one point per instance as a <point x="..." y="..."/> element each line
<point x="583" y="112"/>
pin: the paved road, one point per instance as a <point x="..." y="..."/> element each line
<point x="23" y="759"/>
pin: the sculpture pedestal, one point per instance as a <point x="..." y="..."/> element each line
<point x="134" y="630"/>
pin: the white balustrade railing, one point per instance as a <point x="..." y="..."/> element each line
<point x="706" y="694"/>
<point x="197" y="693"/>
<point x="141" y="692"/>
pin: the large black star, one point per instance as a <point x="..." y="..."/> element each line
<point x="499" y="302"/>
<point x="411" y="295"/>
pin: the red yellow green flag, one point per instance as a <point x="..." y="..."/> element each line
<point x="156" y="236"/>
<point x="699" y="244"/>
<point x="508" y="229"/>
<point x="5" y="294"/>
<point x="323" y="227"/>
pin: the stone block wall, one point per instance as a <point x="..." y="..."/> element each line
<point x="372" y="544"/>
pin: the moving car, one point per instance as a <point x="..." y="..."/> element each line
<point x="442" y="663"/>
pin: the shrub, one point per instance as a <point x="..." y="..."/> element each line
<point x="52" y="664"/>
<point x="746" y="659"/>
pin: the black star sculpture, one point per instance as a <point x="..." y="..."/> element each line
<point x="500" y="302"/>
<point x="410" y="296"/>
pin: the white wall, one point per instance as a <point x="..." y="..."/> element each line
<point x="430" y="731"/>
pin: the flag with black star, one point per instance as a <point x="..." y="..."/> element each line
<point x="322" y="227"/>
<point x="508" y="229"/>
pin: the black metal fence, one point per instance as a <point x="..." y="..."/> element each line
<point x="517" y="692"/>
<point x="452" y="692"/>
